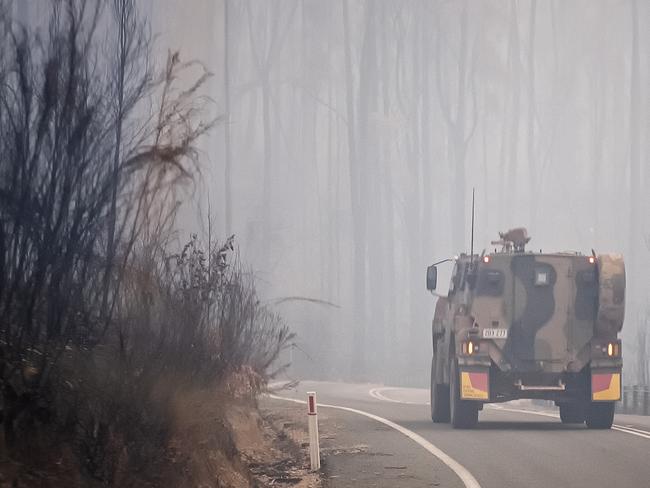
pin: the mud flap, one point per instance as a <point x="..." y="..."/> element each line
<point x="605" y="386"/>
<point x="475" y="384"/>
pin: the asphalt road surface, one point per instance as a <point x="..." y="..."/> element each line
<point x="514" y="445"/>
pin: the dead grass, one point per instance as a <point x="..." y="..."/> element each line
<point x="215" y="442"/>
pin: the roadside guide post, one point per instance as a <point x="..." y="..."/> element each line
<point x="312" y="416"/>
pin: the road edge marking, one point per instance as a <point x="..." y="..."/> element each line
<point x="627" y="431"/>
<point x="465" y="476"/>
<point x="377" y="395"/>
<point x="633" y="429"/>
<point x="620" y="428"/>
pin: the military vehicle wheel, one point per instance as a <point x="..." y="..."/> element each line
<point x="572" y="413"/>
<point x="439" y="397"/>
<point x="600" y="415"/>
<point x="464" y="413"/>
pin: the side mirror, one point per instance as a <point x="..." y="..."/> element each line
<point x="432" y="278"/>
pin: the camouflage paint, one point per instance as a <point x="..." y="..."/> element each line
<point x="611" y="306"/>
<point x="550" y="321"/>
<point x="560" y="310"/>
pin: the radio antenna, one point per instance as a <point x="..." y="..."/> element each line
<point x="471" y="252"/>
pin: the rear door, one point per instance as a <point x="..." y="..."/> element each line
<point x="541" y="291"/>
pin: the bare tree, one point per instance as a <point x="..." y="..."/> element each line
<point x="228" y="121"/>
<point x="514" y="57"/>
<point x="264" y="57"/>
<point x="460" y="121"/>
<point x="635" y="135"/>
<point x="532" y="167"/>
<point x="59" y="189"/>
<point x="131" y="78"/>
<point x="356" y="202"/>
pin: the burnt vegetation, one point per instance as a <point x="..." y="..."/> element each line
<point x="104" y="317"/>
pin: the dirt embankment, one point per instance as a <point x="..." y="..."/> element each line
<point x="213" y="444"/>
<point x="234" y="446"/>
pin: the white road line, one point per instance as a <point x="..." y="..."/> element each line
<point x="633" y="432"/>
<point x="620" y="428"/>
<point x="376" y="393"/>
<point x="465" y="476"/>
<point x="634" y="429"/>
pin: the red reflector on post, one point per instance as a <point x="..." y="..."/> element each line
<point x="312" y="421"/>
<point x="311" y="403"/>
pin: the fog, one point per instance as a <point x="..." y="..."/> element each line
<point x="358" y="129"/>
<point x="352" y="133"/>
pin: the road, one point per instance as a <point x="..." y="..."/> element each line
<point x="514" y="445"/>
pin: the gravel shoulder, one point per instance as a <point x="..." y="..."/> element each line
<point x="357" y="451"/>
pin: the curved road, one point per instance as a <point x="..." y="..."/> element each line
<point x="514" y="445"/>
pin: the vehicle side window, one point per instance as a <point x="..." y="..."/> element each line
<point x="490" y="283"/>
<point x="463" y="276"/>
<point x="455" y="278"/>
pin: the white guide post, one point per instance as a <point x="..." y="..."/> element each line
<point x="312" y="417"/>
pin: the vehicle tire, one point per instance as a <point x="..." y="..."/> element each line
<point x="572" y="413"/>
<point x="464" y="413"/>
<point x="439" y="397"/>
<point x="600" y="415"/>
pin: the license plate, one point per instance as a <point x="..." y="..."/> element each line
<point x="495" y="333"/>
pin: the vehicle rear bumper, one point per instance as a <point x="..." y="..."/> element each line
<point x="484" y="382"/>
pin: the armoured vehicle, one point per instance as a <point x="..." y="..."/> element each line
<point x="518" y="324"/>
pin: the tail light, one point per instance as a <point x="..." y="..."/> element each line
<point x="613" y="349"/>
<point x="470" y="347"/>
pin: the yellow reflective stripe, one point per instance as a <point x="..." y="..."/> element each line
<point x="468" y="391"/>
<point x="613" y="391"/>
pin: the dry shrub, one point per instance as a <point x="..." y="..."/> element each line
<point x="195" y="315"/>
<point x="186" y="321"/>
<point x="245" y="383"/>
<point x="101" y="324"/>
